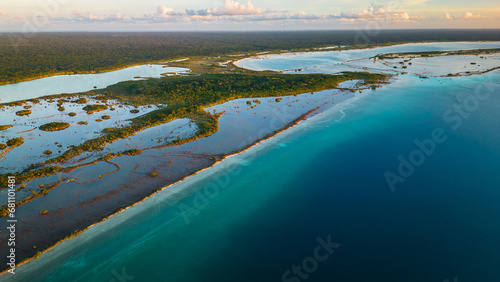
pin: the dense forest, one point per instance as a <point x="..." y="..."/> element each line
<point x="44" y="54"/>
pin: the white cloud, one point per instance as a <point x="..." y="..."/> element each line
<point x="164" y="11"/>
<point x="233" y="11"/>
<point x="376" y="12"/>
<point x="86" y="17"/>
<point x="466" y="16"/>
<point x="233" y="8"/>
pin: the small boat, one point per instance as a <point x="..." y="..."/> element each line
<point x="458" y="100"/>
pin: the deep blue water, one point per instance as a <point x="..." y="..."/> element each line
<point x="324" y="179"/>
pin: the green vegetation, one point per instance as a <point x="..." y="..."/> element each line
<point x="5" y="126"/>
<point x="3" y="146"/>
<point x="69" y="53"/>
<point x="47" y="152"/>
<point x="72" y="114"/>
<point x="427" y="54"/>
<point x="188" y="96"/>
<point x="105" y="117"/>
<point x="31" y="174"/>
<point x="278" y="99"/>
<point x="54" y="126"/>
<point x="15" y="142"/>
<point x="90" y="109"/>
<point x="82" y="100"/>
<point x="209" y="89"/>
<point x="131" y="152"/>
<point x="83" y="122"/>
<point x="61" y="109"/>
<point x="44" y="212"/>
<point x="134" y="111"/>
<point x="16" y="103"/>
<point x="23" y="112"/>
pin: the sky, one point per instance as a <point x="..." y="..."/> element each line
<point x="222" y="15"/>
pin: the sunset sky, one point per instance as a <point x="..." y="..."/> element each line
<point x="157" y="15"/>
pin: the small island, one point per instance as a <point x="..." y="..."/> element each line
<point x="54" y="126"/>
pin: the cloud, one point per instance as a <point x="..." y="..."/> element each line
<point x="376" y="12"/>
<point x="304" y="16"/>
<point x="233" y="11"/>
<point x="86" y="17"/>
<point x="164" y="11"/>
<point x="233" y="8"/>
<point x="201" y="12"/>
<point x="466" y="16"/>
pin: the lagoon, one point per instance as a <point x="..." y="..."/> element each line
<point x="75" y="83"/>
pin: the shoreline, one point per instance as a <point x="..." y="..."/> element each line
<point x="228" y="156"/>
<point x="299" y="53"/>
<point x="258" y="54"/>
<point x="308" y="116"/>
<point x="189" y="176"/>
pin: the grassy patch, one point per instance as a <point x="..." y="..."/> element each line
<point x="94" y="108"/>
<point x="15" y="142"/>
<point x="81" y="100"/>
<point x="4" y="127"/>
<point x="23" y="112"/>
<point x="54" y="126"/>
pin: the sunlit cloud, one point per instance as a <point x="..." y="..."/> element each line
<point x="233" y="8"/>
<point x="232" y="11"/>
<point x="465" y="16"/>
<point x="377" y="12"/>
<point x="86" y="17"/>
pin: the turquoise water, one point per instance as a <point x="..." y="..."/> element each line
<point x="256" y="215"/>
<point x="290" y="61"/>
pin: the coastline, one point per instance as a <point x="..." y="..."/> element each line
<point x="239" y="63"/>
<point x="187" y="180"/>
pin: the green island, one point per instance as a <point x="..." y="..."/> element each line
<point x="5" y="126"/>
<point x="23" y="112"/>
<point x="15" y="142"/>
<point x="54" y="126"/>
<point x="90" y="109"/>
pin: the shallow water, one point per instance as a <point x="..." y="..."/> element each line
<point x="75" y="83"/>
<point x="293" y="61"/>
